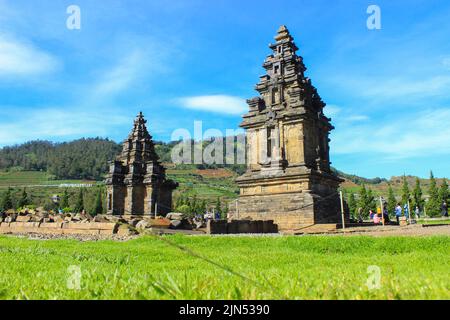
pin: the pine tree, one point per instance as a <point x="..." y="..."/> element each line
<point x="418" y="196"/>
<point x="406" y="195"/>
<point x="443" y="192"/>
<point x="392" y="202"/>
<point x="362" y="203"/>
<point x="98" y="207"/>
<point x="225" y="213"/>
<point x="203" y="207"/>
<point x="218" y="207"/>
<point x="352" y="205"/>
<point x="194" y="205"/>
<point x="23" y="202"/>
<point x="79" y="206"/>
<point x="433" y="206"/>
<point x="7" y="202"/>
<point x="371" y="205"/>
<point x="65" y="200"/>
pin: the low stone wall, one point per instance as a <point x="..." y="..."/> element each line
<point x="241" y="227"/>
<point x="92" y="228"/>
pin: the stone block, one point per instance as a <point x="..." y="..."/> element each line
<point x="23" y="219"/>
<point x="217" y="227"/>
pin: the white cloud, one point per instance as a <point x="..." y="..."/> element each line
<point x="446" y="62"/>
<point x="215" y="103"/>
<point x="332" y="110"/>
<point x="60" y="123"/>
<point x="343" y="115"/>
<point x="421" y="134"/>
<point x="404" y="88"/>
<point x="357" y="118"/>
<point x="22" y="59"/>
<point x="120" y="76"/>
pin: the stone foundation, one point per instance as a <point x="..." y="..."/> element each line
<point x="92" y="228"/>
<point x="292" y="201"/>
<point x="241" y="227"/>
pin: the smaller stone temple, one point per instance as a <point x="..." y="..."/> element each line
<point x="137" y="183"/>
<point x="289" y="178"/>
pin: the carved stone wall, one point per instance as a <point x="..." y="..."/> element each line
<point x="137" y="183"/>
<point x="289" y="178"/>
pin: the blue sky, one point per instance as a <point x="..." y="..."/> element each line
<point x="179" y="61"/>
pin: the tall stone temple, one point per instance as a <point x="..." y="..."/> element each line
<point x="137" y="183"/>
<point x="288" y="177"/>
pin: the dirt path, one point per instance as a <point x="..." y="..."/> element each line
<point x="414" y="230"/>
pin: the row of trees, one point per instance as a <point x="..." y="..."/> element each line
<point x="79" y="159"/>
<point x="83" y="158"/>
<point x="415" y="198"/>
<point x="68" y="202"/>
<point x="193" y="206"/>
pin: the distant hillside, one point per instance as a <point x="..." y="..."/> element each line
<point x="79" y="159"/>
<point x="87" y="159"/>
<point x="356" y="179"/>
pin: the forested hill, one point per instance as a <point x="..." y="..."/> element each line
<point x="79" y="159"/>
<point x="88" y="159"/>
<point x="358" y="180"/>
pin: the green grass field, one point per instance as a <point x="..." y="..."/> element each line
<point x="40" y="187"/>
<point x="274" y="268"/>
<point x="25" y="178"/>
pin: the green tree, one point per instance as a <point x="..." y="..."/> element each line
<point x="218" y="207"/>
<point x="352" y="204"/>
<point x="443" y="192"/>
<point x="371" y="204"/>
<point x="391" y="202"/>
<point x="184" y="209"/>
<point x="7" y="201"/>
<point x="418" y="195"/>
<point x="98" y="205"/>
<point x="203" y="207"/>
<point x="362" y="202"/>
<point x="194" y="205"/>
<point x="65" y="199"/>
<point x="225" y="212"/>
<point x="23" y="201"/>
<point x="79" y="206"/>
<point x="433" y="206"/>
<point x="406" y="195"/>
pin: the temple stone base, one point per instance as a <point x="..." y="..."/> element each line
<point x="292" y="202"/>
<point x="289" y="178"/>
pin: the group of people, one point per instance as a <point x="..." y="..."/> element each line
<point x="377" y="217"/>
<point x="400" y="211"/>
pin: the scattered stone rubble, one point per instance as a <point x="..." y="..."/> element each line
<point x="39" y="221"/>
<point x="48" y="225"/>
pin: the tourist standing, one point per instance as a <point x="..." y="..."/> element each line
<point x="417" y="212"/>
<point x="398" y="212"/>
<point x="376" y="218"/>
<point x="386" y="213"/>
<point x="405" y="207"/>
<point x="360" y="217"/>
<point x="444" y="209"/>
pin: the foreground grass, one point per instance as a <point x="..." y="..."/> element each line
<point x="284" y="268"/>
<point x="434" y="222"/>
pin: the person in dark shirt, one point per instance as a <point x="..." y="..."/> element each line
<point x="444" y="209"/>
